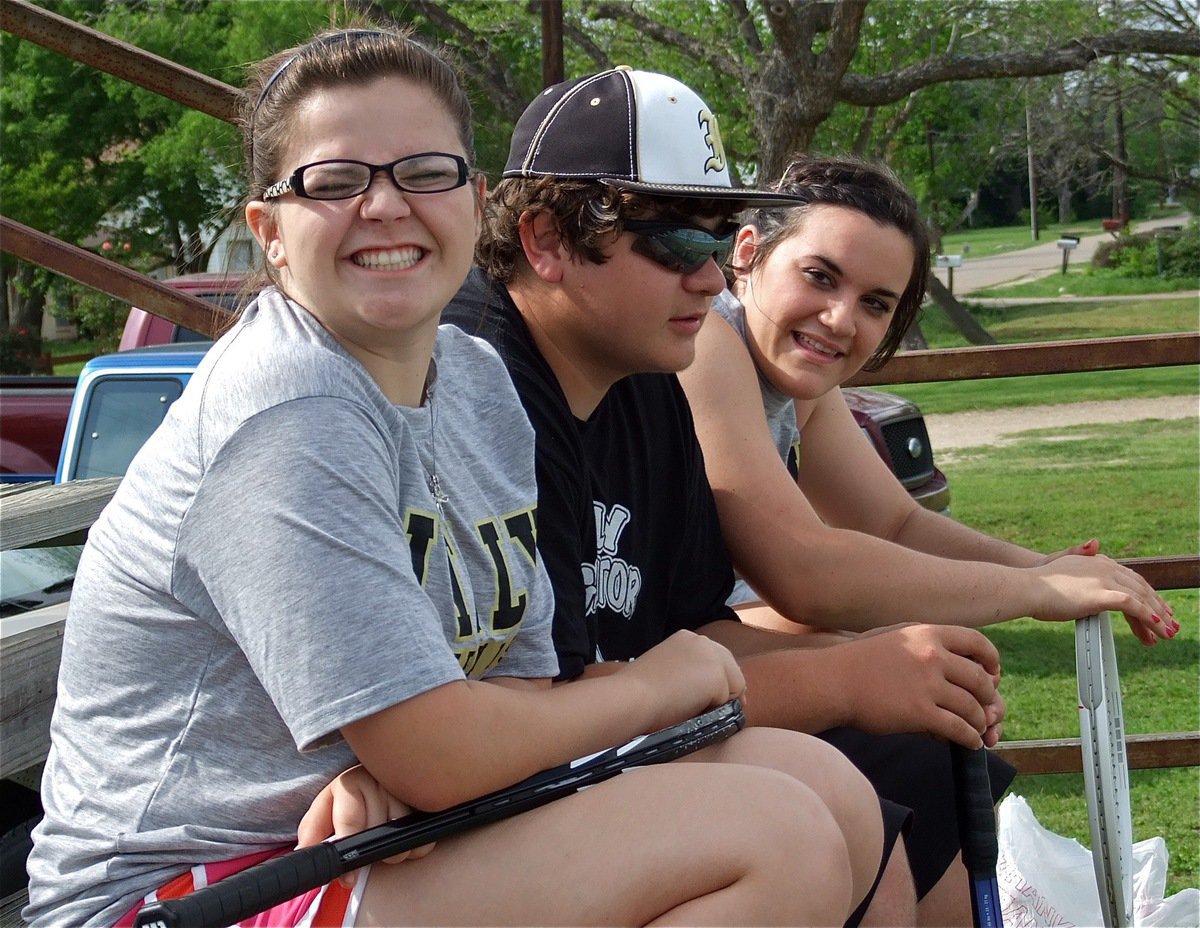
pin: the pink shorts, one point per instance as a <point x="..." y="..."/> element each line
<point x="330" y="906"/>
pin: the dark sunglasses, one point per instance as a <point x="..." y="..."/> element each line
<point x="679" y="246"/>
<point x="341" y="178"/>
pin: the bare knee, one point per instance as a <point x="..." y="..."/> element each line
<point x="839" y="785"/>
<point x="796" y="846"/>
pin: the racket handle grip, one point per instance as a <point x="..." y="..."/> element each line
<point x="247" y="893"/>
<point x="976" y="816"/>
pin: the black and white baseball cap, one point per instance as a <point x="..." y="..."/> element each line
<point x="635" y="130"/>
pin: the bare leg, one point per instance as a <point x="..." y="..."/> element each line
<point x="838" y="783"/>
<point x="895" y="899"/>
<point x="678" y="844"/>
<point x="949" y="902"/>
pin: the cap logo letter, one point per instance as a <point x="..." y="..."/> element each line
<point x="712" y="138"/>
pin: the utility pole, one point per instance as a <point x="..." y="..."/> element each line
<point x="552" y="42"/>
<point x="1033" y="211"/>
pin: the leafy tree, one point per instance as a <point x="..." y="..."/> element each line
<point x="927" y="86"/>
<point x="91" y="159"/>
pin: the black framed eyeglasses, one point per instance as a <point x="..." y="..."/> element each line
<point x="680" y="246"/>
<point x="342" y="178"/>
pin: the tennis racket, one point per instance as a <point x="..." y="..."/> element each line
<point x="1105" y="767"/>
<point x="278" y="879"/>
<point x="977" y="833"/>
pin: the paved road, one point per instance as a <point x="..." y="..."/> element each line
<point x="1041" y="260"/>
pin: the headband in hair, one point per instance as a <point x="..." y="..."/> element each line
<point x="346" y="34"/>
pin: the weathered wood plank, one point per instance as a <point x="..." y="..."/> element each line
<point x="28" y="682"/>
<point x="57" y="514"/>
<point x="1178" y="572"/>
<point x="1065" y="755"/>
<point x="1058" y="357"/>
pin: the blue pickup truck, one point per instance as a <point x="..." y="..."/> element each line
<point x="119" y="401"/>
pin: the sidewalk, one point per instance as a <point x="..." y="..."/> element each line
<point x="1040" y="260"/>
<point x="1003" y="301"/>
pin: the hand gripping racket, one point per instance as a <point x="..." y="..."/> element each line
<point x="977" y="833"/>
<point x="1105" y="767"/>
<point x="281" y="878"/>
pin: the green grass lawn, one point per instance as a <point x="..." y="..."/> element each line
<point x="1088" y="282"/>
<point x="963" y="395"/>
<point x="1035" y="322"/>
<point x="1135" y="486"/>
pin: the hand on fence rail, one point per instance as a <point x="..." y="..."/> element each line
<point x="1077" y="585"/>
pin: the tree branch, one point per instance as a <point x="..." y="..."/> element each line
<point x="700" y="51"/>
<point x="1074" y="56"/>
<point x="742" y="17"/>
<point x="1181" y="180"/>
<point x="478" y="57"/>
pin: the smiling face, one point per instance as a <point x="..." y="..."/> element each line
<point x="376" y="269"/>
<point x="821" y="302"/>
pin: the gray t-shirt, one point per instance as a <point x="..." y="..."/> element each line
<point x="780" y="410"/>
<point x="273" y="567"/>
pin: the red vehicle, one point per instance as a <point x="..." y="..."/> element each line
<point x="34" y="408"/>
<point x="143" y="328"/>
<point x="33" y="418"/>
<point x="896" y="428"/>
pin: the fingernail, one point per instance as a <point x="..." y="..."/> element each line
<point x="1155" y="618"/>
<point x="1174" y="626"/>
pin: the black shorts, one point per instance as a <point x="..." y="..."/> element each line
<point x="914" y="771"/>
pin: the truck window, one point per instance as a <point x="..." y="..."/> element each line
<point x="121" y="414"/>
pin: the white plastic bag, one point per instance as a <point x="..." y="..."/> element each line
<point x="1046" y="879"/>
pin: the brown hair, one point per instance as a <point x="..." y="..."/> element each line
<point x="871" y="189"/>
<point x="585" y="211"/>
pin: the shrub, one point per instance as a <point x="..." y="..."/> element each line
<point x="1124" y="254"/>
<point x="20" y="352"/>
<point x="1166" y="254"/>
<point x="1181" y="253"/>
<point x="100" y="317"/>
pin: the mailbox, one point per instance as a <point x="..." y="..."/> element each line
<point x="947" y="260"/>
<point x="1067" y="243"/>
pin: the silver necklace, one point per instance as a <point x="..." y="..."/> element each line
<point x="440" y="499"/>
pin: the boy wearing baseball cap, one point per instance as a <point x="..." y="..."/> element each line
<point x="601" y="251"/>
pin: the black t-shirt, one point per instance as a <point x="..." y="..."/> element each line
<point x="627" y="524"/>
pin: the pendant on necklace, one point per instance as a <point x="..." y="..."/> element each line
<point x="439" y="498"/>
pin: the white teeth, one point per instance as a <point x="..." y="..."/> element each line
<point x="815" y="346"/>
<point x="394" y="259"/>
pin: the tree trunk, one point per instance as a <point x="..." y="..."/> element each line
<point x="25" y="311"/>
<point x="962" y="320"/>
<point x="22" y="349"/>
<point x="1064" y="202"/>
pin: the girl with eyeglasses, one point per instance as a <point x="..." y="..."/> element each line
<point x="819" y="292"/>
<point x="326" y="557"/>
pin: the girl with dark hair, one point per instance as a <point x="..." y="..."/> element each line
<point x="833" y="540"/>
